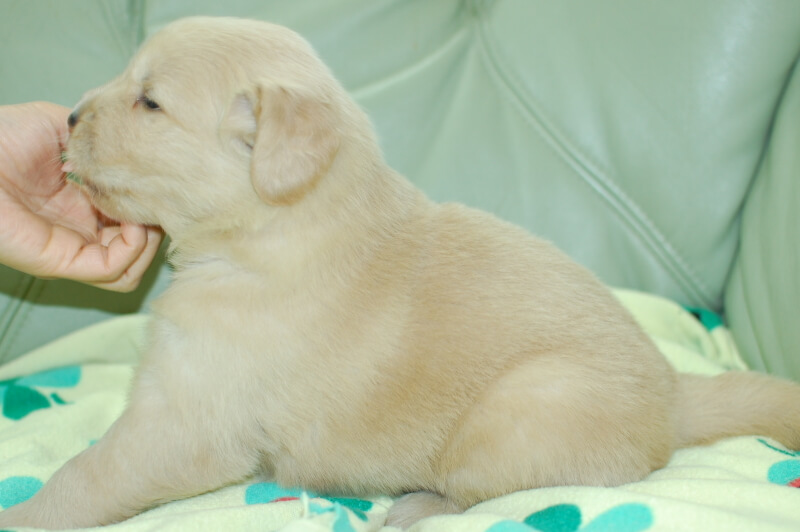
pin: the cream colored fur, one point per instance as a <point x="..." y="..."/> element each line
<point x="331" y="327"/>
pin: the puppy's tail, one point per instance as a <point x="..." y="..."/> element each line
<point x="737" y="403"/>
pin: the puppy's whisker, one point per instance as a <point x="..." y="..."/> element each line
<point x="71" y="177"/>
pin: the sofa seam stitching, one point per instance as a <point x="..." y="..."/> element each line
<point x="587" y="169"/>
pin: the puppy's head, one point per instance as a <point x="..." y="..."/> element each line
<point x="212" y="118"/>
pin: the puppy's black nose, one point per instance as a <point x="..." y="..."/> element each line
<point x="72" y="120"/>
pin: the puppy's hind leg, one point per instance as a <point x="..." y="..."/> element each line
<point x="558" y="421"/>
<point x="157" y="451"/>
<point x="410" y="508"/>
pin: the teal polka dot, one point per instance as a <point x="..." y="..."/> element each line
<point x="624" y="518"/>
<point x="15" y="490"/>
<point x="632" y="517"/>
<point x="19" y="401"/>
<point x="786" y="472"/>
<point x="56" y="378"/>
<point x="558" y="518"/>
<point x="509" y="526"/>
<point x="264" y="492"/>
<point x="711" y="320"/>
<point x="20" y="396"/>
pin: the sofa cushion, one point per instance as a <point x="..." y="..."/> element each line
<point x="763" y="295"/>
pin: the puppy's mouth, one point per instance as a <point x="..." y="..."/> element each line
<point x="68" y="168"/>
<point x="91" y="190"/>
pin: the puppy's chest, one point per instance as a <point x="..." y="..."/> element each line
<point x="294" y="359"/>
<point x="299" y="393"/>
<point x="240" y="327"/>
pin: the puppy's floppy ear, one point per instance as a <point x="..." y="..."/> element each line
<point x="294" y="140"/>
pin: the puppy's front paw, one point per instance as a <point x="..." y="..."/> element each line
<point x="24" y="515"/>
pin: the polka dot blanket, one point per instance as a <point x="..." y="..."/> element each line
<point x="60" y="399"/>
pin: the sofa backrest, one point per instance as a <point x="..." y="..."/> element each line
<point x="629" y="133"/>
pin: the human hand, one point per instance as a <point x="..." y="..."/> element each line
<point x="48" y="227"/>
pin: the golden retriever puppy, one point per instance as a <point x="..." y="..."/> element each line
<point x="332" y="328"/>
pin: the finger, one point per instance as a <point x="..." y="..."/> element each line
<point x="107" y="234"/>
<point x="131" y="277"/>
<point x="124" y="244"/>
<point x="138" y="268"/>
<point x="101" y="263"/>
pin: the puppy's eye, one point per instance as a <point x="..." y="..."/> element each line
<point x="148" y="103"/>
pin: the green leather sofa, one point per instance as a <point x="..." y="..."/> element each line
<point x="656" y="142"/>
